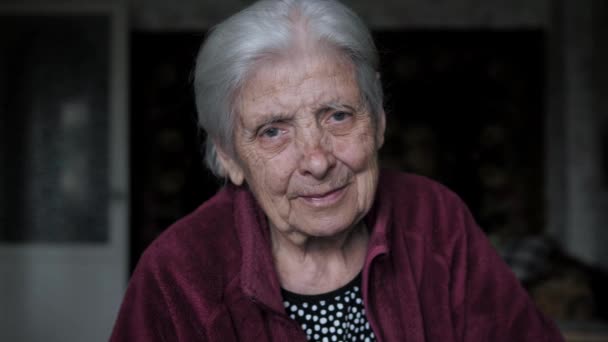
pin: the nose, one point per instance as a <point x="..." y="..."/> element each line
<point x="317" y="158"/>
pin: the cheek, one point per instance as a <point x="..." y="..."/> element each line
<point x="270" y="174"/>
<point x="357" y="151"/>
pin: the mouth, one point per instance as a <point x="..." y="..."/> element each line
<point x="326" y="198"/>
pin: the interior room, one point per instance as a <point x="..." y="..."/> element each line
<point x="504" y="102"/>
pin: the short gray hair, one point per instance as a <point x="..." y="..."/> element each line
<point x="235" y="45"/>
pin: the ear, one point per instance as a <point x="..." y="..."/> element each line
<point x="380" y="128"/>
<point x="231" y="166"/>
<point x="381" y="123"/>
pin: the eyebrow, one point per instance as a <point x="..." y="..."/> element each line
<point x="325" y="107"/>
<point x="270" y="118"/>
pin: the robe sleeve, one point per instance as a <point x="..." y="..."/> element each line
<point x="491" y="304"/>
<point x="147" y="312"/>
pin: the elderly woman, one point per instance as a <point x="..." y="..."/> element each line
<point x="309" y="240"/>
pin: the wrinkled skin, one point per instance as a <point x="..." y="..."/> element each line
<point x="306" y="144"/>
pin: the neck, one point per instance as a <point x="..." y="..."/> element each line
<point x="313" y="265"/>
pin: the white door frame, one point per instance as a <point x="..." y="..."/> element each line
<point x="72" y="291"/>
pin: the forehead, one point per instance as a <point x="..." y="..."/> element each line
<point x="289" y="84"/>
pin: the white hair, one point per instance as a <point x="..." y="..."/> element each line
<point x="268" y="27"/>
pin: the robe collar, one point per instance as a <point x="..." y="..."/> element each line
<point x="259" y="279"/>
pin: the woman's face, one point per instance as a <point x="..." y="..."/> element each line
<point x="306" y="144"/>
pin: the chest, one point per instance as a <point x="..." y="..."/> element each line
<point x="246" y="320"/>
<point x="396" y="307"/>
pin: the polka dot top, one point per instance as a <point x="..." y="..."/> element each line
<point x="338" y="315"/>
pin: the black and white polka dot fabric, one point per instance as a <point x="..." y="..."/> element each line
<point x="335" y="316"/>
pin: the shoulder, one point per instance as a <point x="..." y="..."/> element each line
<point x="424" y="208"/>
<point x="418" y="193"/>
<point x="211" y="222"/>
<point x="179" y="281"/>
<point x="198" y="249"/>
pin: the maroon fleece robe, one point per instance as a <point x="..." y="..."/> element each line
<point x="430" y="275"/>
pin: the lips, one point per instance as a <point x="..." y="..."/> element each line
<point x="325" y="198"/>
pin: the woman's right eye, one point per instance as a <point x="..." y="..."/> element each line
<point x="270" y="132"/>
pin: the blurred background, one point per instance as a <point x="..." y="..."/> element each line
<point x="505" y="102"/>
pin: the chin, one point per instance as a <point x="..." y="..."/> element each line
<point x="327" y="228"/>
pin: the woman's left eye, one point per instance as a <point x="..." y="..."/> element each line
<point x="339" y="116"/>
